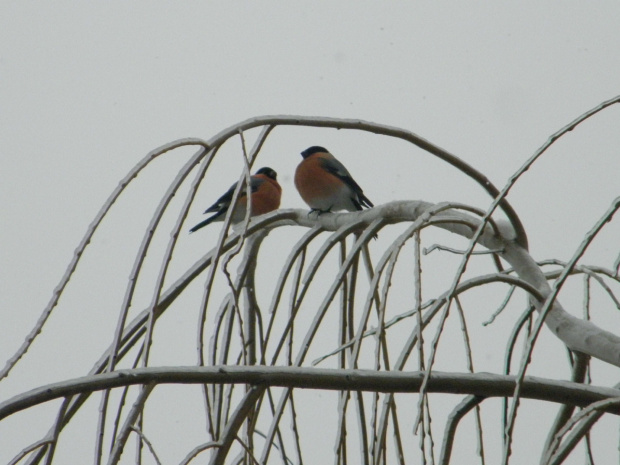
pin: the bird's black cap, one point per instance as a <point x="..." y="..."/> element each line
<point x="270" y="173"/>
<point x="312" y="150"/>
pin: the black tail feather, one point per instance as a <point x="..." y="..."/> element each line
<point x="204" y="223"/>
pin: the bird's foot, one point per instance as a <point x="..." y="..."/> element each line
<point x="318" y="211"/>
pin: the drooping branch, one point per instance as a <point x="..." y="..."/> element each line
<point x="571" y="330"/>
<point x="134" y="172"/>
<point x="507" y="241"/>
<point x="382" y="129"/>
<point x="579" y="335"/>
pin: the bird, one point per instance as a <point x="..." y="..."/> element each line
<point x="326" y="185"/>
<point x="265" y="193"/>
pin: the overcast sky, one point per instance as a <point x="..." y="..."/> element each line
<point x="89" y="88"/>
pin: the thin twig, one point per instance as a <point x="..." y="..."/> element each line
<point x="27" y="450"/>
<point x="197" y="450"/>
<point x="427" y="251"/>
<point x="129" y="292"/>
<point x="299" y="250"/>
<point x="501" y="307"/>
<point x="146" y="441"/>
<point x="455" y="417"/>
<point x="132" y="416"/>
<point x="77" y="255"/>
<point x="588" y="417"/>
<point x="168" y="254"/>
<point x="580" y="368"/>
<point x="470" y="368"/>
<point x="234" y="423"/>
<point x="589" y="237"/>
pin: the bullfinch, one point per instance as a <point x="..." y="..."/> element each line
<point x="326" y="185"/>
<point x="265" y="193"/>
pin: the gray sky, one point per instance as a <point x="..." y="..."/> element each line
<point x="87" y="89"/>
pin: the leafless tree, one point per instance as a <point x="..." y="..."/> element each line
<point x="342" y="344"/>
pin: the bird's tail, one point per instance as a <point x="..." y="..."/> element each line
<point x="204" y="223"/>
<point x="364" y="201"/>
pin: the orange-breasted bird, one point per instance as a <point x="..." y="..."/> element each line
<point x="326" y="185"/>
<point x="265" y="193"/>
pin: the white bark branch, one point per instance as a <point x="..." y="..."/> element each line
<point x="578" y="335"/>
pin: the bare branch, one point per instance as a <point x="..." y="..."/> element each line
<point x="27" y="450"/>
<point x="457" y="414"/>
<point x="134" y="413"/>
<point x="237" y="334"/>
<point x="547" y="309"/>
<point x="588" y="416"/>
<point x="234" y="423"/>
<point x="86" y="240"/>
<point x="483" y="384"/>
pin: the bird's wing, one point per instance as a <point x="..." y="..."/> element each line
<point x="336" y="168"/>
<point x="224" y="201"/>
<point x="333" y="166"/>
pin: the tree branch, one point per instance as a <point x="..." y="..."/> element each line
<point x="478" y="384"/>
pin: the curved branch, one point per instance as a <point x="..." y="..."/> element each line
<point x="462" y="409"/>
<point x="547" y="308"/>
<point x="86" y="240"/>
<point x="234" y="423"/>
<point x="588" y="416"/>
<point x="385" y="130"/>
<point x="32" y="447"/>
<point x="571" y="330"/>
<point x="479" y="384"/>
<point x="580" y="368"/>
<point x="136" y="410"/>
<point x="577" y="334"/>
<point x="437" y="303"/>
